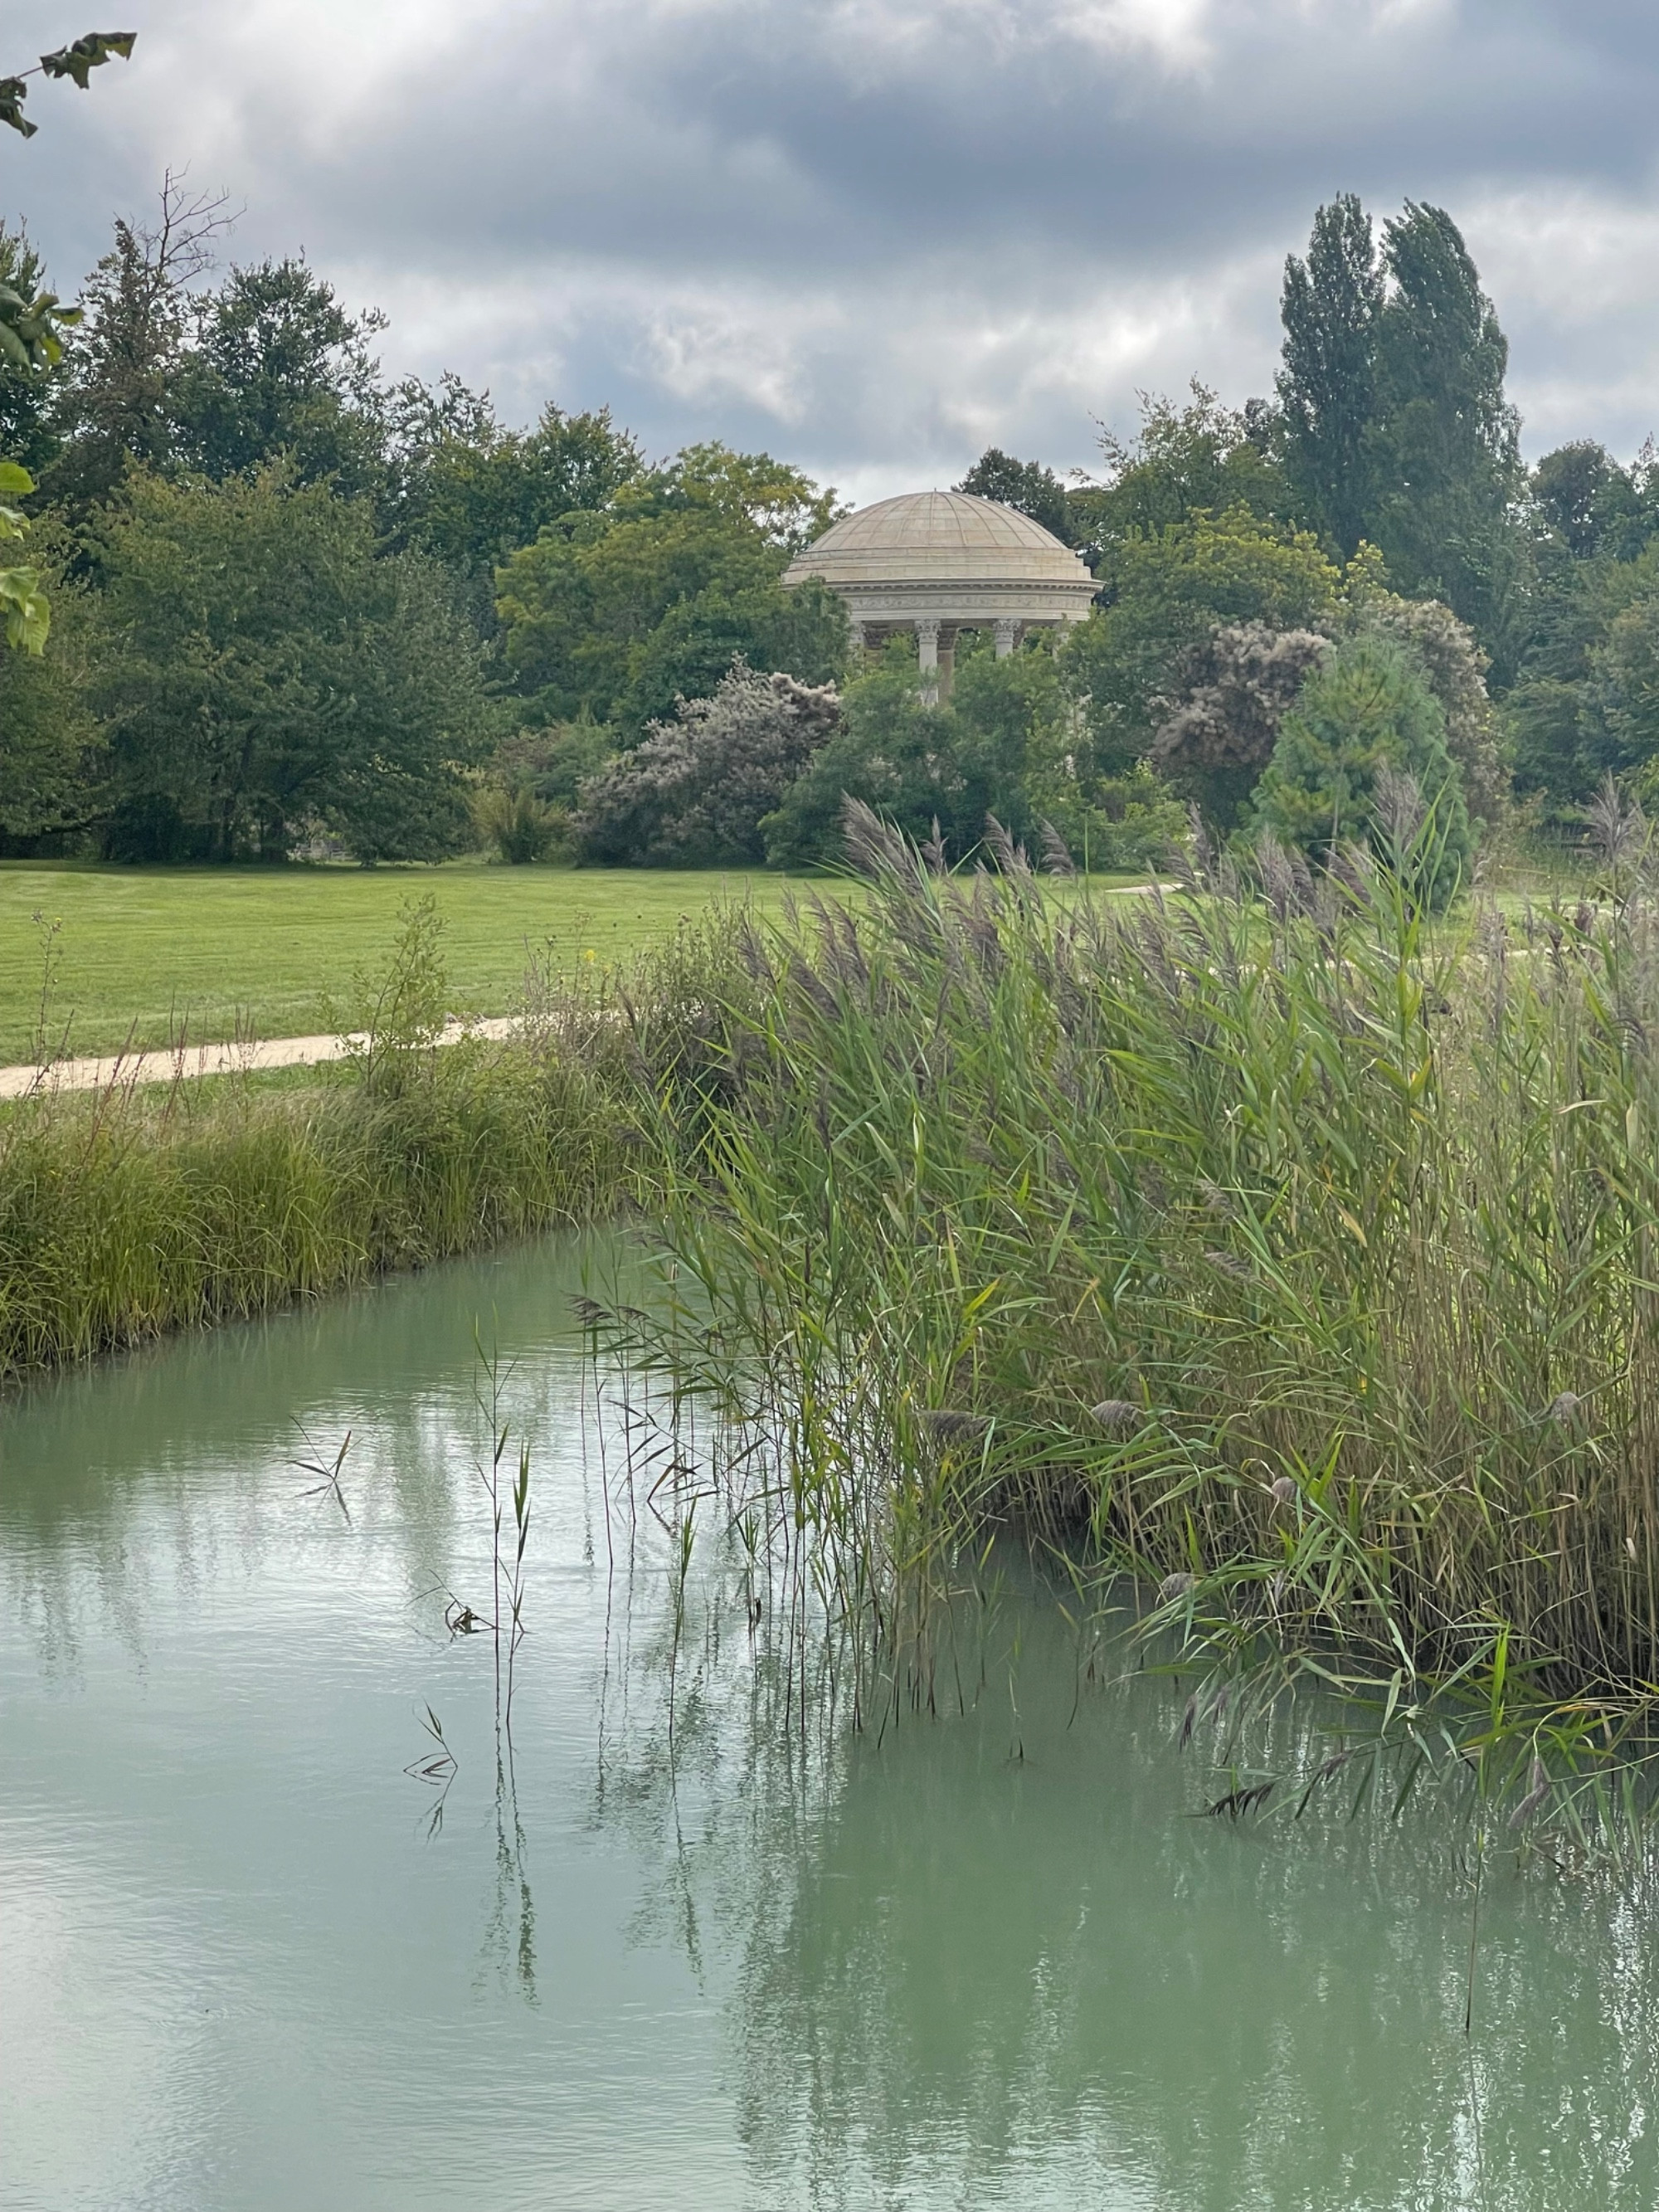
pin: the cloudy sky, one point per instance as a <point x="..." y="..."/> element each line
<point x="876" y="235"/>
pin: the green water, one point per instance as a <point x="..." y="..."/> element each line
<point x="991" y="1960"/>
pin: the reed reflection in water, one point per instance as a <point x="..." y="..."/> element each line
<point x="758" y="1960"/>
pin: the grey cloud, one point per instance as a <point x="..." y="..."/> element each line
<point x="875" y="233"/>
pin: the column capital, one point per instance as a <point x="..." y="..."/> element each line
<point x="1005" y="632"/>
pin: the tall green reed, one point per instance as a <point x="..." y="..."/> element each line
<point x="1280" y="1253"/>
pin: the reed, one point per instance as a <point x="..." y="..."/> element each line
<point x="131" y="1211"/>
<point x="1272" y="1250"/>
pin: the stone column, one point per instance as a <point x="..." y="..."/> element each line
<point x="1006" y="634"/>
<point x="856" y="641"/>
<point x="947" y="662"/>
<point x="927" y="659"/>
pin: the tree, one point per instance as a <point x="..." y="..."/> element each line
<point x="931" y="769"/>
<point x="473" y="492"/>
<point x="116" y="404"/>
<point x="1449" y="465"/>
<point x="1198" y="459"/>
<point x="552" y="764"/>
<point x="1445" y="652"/>
<point x="1027" y="485"/>
<point x="1397" y="428"/>
<point x="1366" y="708"/>
<point x="52" y="757"/>
<point x="277" y="365"/>
<point x="620" y="611"/>
<point x="1597" y="525"/>
<point x="1234" y="689"/>
<point x="1330" y="307"/>
<point x="1589" y="505"/>
<point x="1619" y="716"/>
<point x="1166" y="592"/>
<point x="263" y="675"/>
<point x="893" y="750"/>
<point x="695" y="792"/>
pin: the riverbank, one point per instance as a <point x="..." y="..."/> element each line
<point x="128" y="1213"/>
<point x="132" y="1210"/>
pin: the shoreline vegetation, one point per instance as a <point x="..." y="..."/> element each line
<point x="1280" y="1257"/>
<point x="1273" y="1249"/>
<point x="135" y="1209"/>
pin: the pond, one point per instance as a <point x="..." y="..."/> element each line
<point x="254" y="1957"/>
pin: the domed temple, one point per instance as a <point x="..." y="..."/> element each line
<point x="939" y="561"/>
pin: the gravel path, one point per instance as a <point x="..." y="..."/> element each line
<point x="176" y="1066"/>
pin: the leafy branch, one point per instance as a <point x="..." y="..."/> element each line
<point x="76" y="61"/>
<point x="27" y="616"/>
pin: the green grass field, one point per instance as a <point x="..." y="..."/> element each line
<point x="142" y="952"/>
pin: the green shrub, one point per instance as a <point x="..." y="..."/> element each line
<point x="521" y="827"/>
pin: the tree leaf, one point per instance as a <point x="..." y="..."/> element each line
<point x="13" y="93"/>
<point x="87" y="54"/>
<point x="28" y="618"/>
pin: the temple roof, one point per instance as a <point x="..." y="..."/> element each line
<point x="938" y="537"/>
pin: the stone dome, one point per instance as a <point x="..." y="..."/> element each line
<point x="940" y="561"/>
<point x="940" y="536"/>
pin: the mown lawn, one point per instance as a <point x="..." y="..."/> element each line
<point x="143" y="951"/>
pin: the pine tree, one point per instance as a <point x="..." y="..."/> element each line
<point x="1366" y="709"/>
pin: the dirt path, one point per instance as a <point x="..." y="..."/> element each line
<point x="195" y="1060"/>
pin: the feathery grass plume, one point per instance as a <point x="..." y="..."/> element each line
<point x="1618" y="828"/>
<point x="1056" y="854"/>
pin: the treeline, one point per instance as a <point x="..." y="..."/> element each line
<point x="299" y="607"/>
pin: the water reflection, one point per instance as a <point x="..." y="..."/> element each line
<point x="748" y="1958"/>
<point x="1025" y="1970"/>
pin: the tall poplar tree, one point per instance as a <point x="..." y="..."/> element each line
<point x="1330" y="307"/>
<point x="1447" y="441"/>
<point x="1397" y="425"/>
